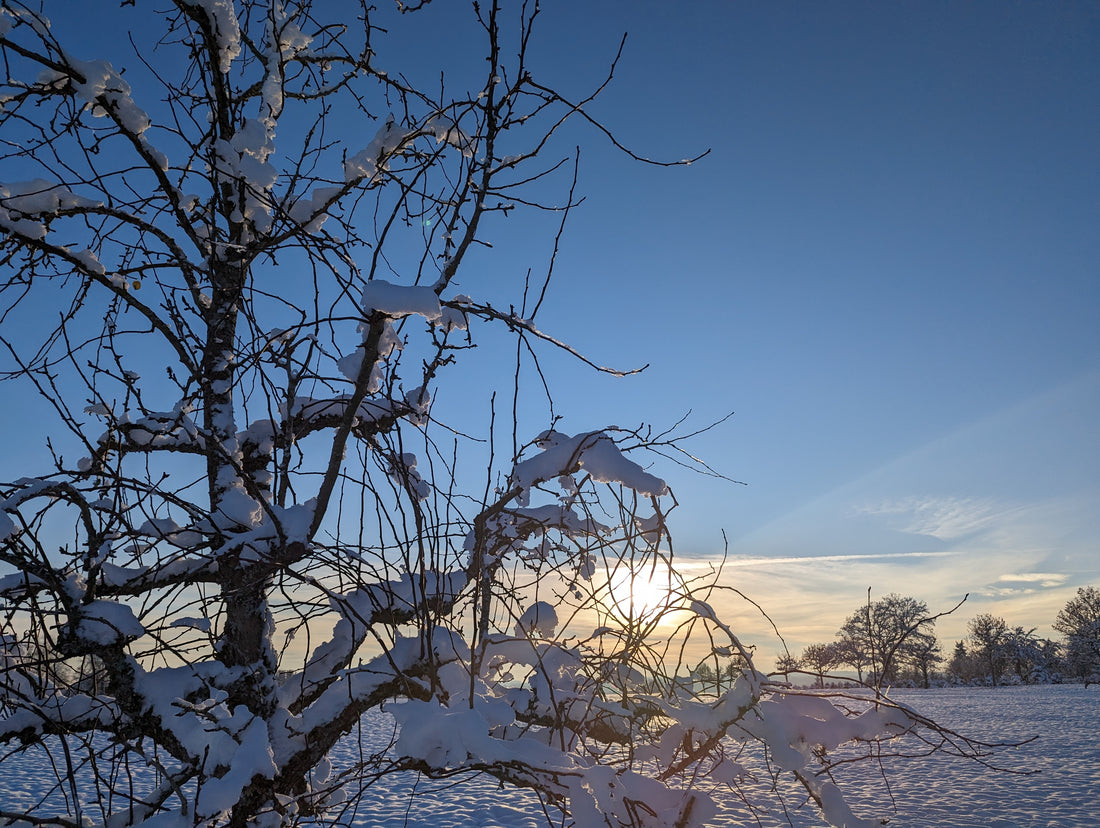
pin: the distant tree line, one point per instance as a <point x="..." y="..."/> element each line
<point x="717" y="677"/>
<point x="893" y="641"/>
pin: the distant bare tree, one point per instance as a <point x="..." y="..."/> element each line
<point x="819" y="659"/>
<point x="785" y="664"/>
<point x="888" y="633"/>
<point x="850" y="650"/>
<point x="923" y="657"/>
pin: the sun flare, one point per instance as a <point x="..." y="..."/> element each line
<point x="642" y="592"/>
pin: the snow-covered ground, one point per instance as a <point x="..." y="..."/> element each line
<point x="934" y="792"/>
<point x="1063" y="790"/>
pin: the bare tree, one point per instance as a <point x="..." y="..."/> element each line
<point x="263" y="518"/>
<point x="785" y="664"/>
<point x="888" y="633"/>
<point x="923" y="657"/>
<point x="850" y="648"/>
<point x="819" y="659"/>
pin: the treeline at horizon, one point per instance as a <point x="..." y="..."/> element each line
<point x="892" y="641"/>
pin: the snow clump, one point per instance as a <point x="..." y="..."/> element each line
<point x="539" y="620"/>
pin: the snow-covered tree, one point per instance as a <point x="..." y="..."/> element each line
<point x="1079" y="622"/>
<point x="987" y="635"/>
<point x="1027" y="655"/>
<point x="254" y="249"/>
<point x="963" y="666"/>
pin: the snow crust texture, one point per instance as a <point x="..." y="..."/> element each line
<point x="1061" y="795"/>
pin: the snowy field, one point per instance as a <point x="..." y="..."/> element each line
<point x="930" y="793"/>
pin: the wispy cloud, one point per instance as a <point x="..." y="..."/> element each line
<point x="943" y="518"/>
<point x="1047" y="579"/>
<point x="811" y="559"/>
<point x="1025" y="583"/>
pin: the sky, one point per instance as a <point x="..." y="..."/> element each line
<point x="886" y="267"/>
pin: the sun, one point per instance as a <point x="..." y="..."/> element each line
<point x="641" y="592"/>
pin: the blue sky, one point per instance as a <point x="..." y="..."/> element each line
<point x="887" y="266"/>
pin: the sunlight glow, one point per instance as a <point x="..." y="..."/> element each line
<point x="642" y="592"/>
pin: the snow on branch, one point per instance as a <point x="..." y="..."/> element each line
<point x="222" y="19"/>
<point x="98" y="623"/>
<point x="397" y="301"/>
<point x="56" y="714"/>
<point x="398" y="600"/>
<point x="594" y="452"/>
<point x="27" y="206"/>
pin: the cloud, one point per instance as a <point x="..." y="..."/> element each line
<point x="812" y="559"/>
<point x="943" y="518"/>
<point x="1046" y="579"/>
<point x="1025" y="583"/>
